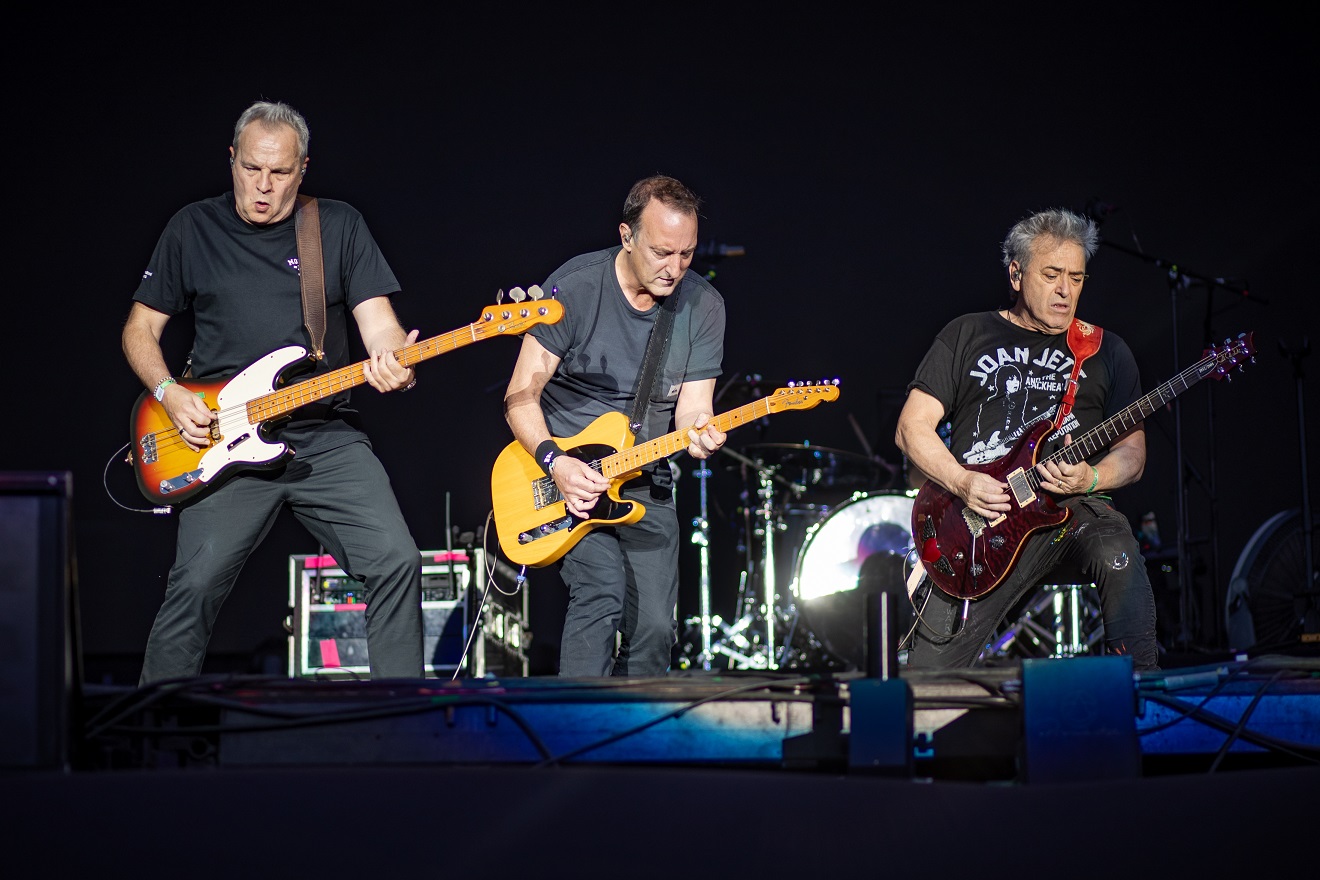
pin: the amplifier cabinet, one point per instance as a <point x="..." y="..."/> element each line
<point x="499" y="610"/>
<point x="328" y="629"/>
<point x="328" y="637"/>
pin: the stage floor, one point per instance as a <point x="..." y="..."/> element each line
<point x="1073" y="765"/>
<point x="1027" y="721"/>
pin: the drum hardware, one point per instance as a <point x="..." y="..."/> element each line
<point x="791" y="492"/>
<point x="701" y="538"/>
<point x="860" y="549"/>
<point x="1055" y="620"/>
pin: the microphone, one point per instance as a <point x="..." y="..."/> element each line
<point x="712" y="251"/>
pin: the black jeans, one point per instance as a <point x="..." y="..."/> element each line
<point x="623" y="580"/>
<point x="1097" y="544"/>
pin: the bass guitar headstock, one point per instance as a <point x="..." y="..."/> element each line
<point x="516" y="317"/>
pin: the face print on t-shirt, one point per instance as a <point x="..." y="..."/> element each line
<point x="1017" y="390"/>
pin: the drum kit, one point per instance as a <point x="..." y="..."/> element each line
<point x="810" y="516"/>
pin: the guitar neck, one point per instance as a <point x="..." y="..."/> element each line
<point x="634" y="457"/>
<point x="289" y="398"/>
<point x="1115" y="426"/>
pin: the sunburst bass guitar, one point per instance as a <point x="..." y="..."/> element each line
<point x="533" y="523"/>
<point x="966" y="555"/>
<point x="246" y="406"/>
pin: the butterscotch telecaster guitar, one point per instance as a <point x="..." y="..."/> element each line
<point x="531" y="519"/>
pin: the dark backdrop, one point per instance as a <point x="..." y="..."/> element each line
<point x="868" y="169"/>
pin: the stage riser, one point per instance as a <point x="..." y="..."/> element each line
<point x="750" y="732"/>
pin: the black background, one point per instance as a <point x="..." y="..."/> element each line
<point x="869" y="168"/>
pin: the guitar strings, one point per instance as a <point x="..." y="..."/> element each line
<point x="230" y="420"/>
<point x="1092" y="442"/>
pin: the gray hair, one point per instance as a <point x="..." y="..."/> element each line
<point x="1057" y="224"/>
<point x="270" y="113"/>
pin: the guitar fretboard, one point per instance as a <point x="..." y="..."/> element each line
<point x="1105" y="433"/>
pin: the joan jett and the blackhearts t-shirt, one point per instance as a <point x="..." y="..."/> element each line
<point x="996" y="380"/>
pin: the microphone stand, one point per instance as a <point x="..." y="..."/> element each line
<point x="1180" y="278"/>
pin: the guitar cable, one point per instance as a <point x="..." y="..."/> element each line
<point x="489" y="564"/>
<point x="105" y="484"/>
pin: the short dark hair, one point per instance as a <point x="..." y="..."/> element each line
<point x="663" y="188"/>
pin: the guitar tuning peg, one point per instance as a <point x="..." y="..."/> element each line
<point x="535" y="291"/>
<point x="499" y="296"/>
<point x="517" y="294"/>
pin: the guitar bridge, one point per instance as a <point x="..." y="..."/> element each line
<point x="975" y="522"/>
<point x="545" y="493"/>
<point x="149" y="452"/>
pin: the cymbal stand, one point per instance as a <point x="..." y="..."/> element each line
<point x="1179" y="278"/>
<point x="749" y="640"/>
<point x="1310" y="582"/>
<point x="701" y="537"/>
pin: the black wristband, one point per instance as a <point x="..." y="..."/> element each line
<point x="547" y="452"/>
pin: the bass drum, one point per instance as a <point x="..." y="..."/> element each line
<point x="863" y="547"/>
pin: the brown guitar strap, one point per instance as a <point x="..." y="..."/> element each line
<point x="311" y="273"/>
<point x="1083" y="341"/>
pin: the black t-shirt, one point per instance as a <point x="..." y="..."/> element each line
<point x="997" y="379"/>
<point x="242" y="283"/>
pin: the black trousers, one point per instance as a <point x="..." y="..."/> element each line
<point x="344" y="498"/>
<point x="1097" y="544"/>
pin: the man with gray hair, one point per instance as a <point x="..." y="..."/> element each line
<point x="234" y="261"/>
<point x="1037" y="339"/>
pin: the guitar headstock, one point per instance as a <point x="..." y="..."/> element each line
<point x="1234" y="353"/>
<point x="803" y="395"/>
<point x="518" y="317"/>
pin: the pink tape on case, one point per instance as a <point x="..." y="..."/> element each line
<point x="329" y="653"/>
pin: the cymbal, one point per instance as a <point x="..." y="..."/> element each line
<point x="804" y="453"/>
<point x="819" y="466"/>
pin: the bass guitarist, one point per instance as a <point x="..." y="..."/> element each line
<point x="623" y="579"/>
<point x="235" y="261"/>
<point x="992" y="377"/>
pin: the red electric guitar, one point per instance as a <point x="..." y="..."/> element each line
<point x="966" y="555"/>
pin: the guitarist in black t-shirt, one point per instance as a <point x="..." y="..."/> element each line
<point x="1000" y="513"/>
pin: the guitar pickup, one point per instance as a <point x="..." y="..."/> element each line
<point x="1020" y="486"/>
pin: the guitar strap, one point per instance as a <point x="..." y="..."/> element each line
<point x="655" y="355"/>
<point x="1083" y="341"/>
<point x="311" y="273"/>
